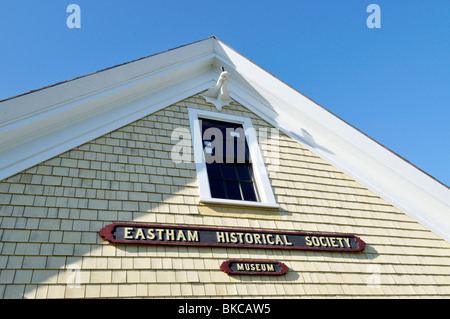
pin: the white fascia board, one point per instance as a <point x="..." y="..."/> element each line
<point x="377" y="168"/>
<point x="117" y="77"/>
<point x="44" y="132"/>
<point x="62" y="139"/>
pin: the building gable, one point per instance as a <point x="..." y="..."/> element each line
<point x="47" y="122"/>
<point x="53" y="211"/>
<point x="99" y="149"/>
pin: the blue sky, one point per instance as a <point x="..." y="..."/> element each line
<point x="392" y="83"/>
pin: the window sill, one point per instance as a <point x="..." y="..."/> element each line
<point x="231" y="202"/>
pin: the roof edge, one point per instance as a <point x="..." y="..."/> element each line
<point x="102" y="70"/>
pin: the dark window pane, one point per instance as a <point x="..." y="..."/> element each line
<point x="228" y="171"/>
<point x="233" y="190"/>
<point x="214" y="170"/>
<point x="227" y="140"/>
<point x="227" y="160"/>
<point x="244" y="172"/>
<point x="217" y="189"/>
<point x="248" y="191"/>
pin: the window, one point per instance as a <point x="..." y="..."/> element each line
<point x="230" y="167"/>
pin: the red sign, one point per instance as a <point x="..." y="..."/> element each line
<point x="254" y="267"/>
<point x="125" y="233"/>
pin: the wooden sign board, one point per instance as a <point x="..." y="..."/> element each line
<point x="254" y="267"/>
<point x="125" y="233"/>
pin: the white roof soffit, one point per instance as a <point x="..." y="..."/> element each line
<point x="37" y="126"/>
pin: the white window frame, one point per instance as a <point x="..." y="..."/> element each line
<point x="264" y="189"/>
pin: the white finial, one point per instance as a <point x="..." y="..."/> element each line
<point x="219" y="94"/>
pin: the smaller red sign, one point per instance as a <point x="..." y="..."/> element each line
<point x="254" y="267"/>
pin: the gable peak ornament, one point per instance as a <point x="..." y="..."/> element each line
<point x="219" y="94"/>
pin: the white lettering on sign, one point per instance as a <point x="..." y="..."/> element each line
<point x="335" y="242"/>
